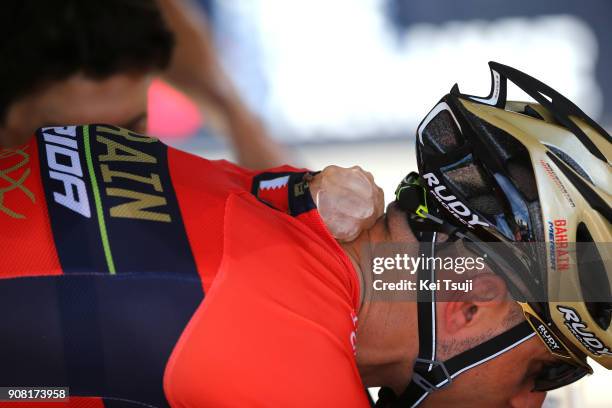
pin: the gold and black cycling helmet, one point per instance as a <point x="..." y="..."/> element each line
<point x="537" y="178"/>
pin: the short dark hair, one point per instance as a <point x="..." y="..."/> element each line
<point x="46" y="41"/>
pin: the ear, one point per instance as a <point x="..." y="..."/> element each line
<point x="479" y="307"/>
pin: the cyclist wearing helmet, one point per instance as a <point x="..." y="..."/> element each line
<point x="520" y="182"/>
<point x="271" y="318"/>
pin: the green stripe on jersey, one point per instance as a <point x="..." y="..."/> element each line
<point x="98" y="203"/>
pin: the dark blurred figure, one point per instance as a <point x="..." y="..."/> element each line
<point x="74" y="61"/>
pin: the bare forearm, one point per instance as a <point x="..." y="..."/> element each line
<point x="253" y="146"/>
<point x="195" y="70"/>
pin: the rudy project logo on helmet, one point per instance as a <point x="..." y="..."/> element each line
<point x="574" y="323"/>
<point x="451" y="203"/>
<point x="544" y="333"/>
<point x="550" y="341"/>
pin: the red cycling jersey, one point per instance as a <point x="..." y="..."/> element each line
<point x="142" y="274"/>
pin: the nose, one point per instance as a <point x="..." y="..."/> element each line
<point x="528" y="399"/>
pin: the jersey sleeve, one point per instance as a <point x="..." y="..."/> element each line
<point x="277" y="326"/>
<point x="202" y="188"/>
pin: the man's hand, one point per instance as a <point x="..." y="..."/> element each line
<point x="348" y="200"/>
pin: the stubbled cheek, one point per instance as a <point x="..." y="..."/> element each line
<point x="528" y="400"/>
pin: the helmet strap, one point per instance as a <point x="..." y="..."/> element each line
<point x="430" y="374"/>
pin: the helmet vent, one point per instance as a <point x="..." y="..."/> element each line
<point x="593" y="279"/>
<point x="589" y="194"/>
<point x="514" y="157"/>
<point x="504" y="145"/>
<point x="569" y="161"/>
<point x="522" y="175"/>
<point x="470" y="181"/>
<point x="442" y="133"/>
<point x="529" y="111"/>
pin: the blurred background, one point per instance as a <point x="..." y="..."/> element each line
<point x="346" y="82"/>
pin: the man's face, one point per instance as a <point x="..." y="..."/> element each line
<point x="505" y="381"/>
<point x="119" y="100"/>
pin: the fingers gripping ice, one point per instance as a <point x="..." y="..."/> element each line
<point x="348" y="200"/>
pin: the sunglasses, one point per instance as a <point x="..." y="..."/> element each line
<point x="568" y="369"/>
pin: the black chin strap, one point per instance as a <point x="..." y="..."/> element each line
<point x="429" y="374"/>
